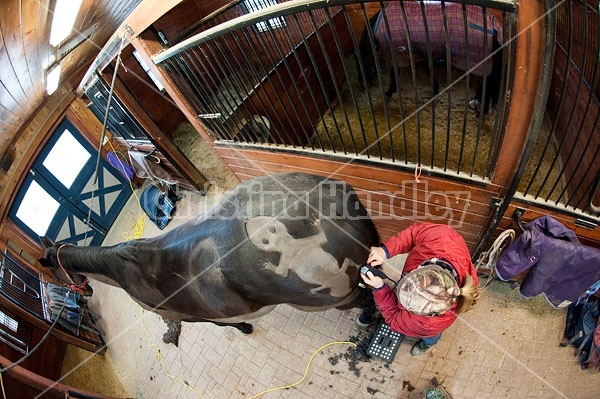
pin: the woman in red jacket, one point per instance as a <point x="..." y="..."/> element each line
<point x="443" y="283"/>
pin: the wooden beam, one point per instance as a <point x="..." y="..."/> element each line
<point x="138" y="21"/>
<point x="527" y="73"/>
<point x="146" y="45"/>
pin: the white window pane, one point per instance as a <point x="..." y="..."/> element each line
<point x="37" y="209"/>
<point x="66" y="159"/>
<point x="9" y="321"/>
<point x="255" y="5"/>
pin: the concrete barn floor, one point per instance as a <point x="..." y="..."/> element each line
<point x="507" y="347"/>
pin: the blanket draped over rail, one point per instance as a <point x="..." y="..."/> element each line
<point x="71" y="315"/>
<point x="470" y="35"/>
<point x="558" y="265"/>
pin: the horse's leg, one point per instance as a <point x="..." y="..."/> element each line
<point x="475" y="102"/>
<point x="492" y="92"/>
<point x="436" y="86"/>
<point x="393" y="87"/>
<point x="246" y="328"/>
<point x="496" y="75"/>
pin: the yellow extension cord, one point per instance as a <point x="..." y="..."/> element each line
<point x="305" y="370"/>
<point x="159" y="358"/>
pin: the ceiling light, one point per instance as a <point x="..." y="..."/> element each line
<point x="63" y="20"/>
<point x="52" y="79"/>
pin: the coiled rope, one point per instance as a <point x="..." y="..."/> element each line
<point x="487" y="259"/>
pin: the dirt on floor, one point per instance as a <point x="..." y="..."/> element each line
<point x="85" y="370"/>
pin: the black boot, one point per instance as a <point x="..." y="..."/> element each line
<point x="367" y="316"/>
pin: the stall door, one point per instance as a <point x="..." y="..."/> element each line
<point x="59" y="198"/>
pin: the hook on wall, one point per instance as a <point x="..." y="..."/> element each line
<point x="518" y="217"/>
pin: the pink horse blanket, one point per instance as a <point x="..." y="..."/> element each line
<point x="479" y="36"/>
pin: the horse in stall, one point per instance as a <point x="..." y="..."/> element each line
<point x="290" y="238"/>
<point x="417" y="37"/>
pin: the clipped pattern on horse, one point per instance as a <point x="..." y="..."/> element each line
<point x="290" y="238"/>
<point x="415" y="32"/>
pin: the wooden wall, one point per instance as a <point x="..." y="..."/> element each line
<point x="46" y="362"/>
<point x="393" y="197"/>
<point x="26" y="54"/>
<point x="159" y="107"/>
<point x="575" y="124"/>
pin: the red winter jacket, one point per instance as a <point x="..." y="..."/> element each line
<point x="423" y="241"/>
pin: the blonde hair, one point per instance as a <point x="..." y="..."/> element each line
<point x="469" y="294"/>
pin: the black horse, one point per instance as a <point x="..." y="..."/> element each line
<point x="285" y="238"/>
<point x="482" y="57"/>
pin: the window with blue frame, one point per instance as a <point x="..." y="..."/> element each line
<point x="63" y="197"/>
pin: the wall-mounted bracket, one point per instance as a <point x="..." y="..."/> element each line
<point x="518" y="217"/>
<point x="585" y="223"/>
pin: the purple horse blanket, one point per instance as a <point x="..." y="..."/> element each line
<point x="478" y="34"/>
<point x="557" y="264"/>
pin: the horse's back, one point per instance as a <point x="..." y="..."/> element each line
<point x="300" y="239"/>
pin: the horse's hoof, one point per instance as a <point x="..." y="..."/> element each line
<point x="474" y="104"/>
<point x="246" y="328"/>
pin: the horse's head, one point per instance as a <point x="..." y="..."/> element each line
<point x="76" y="282"/>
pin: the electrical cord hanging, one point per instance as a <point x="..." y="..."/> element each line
<point x="21" y="360"/>
<point x="159" y="358"/>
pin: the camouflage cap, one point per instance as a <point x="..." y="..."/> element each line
<point x="428" y="290"/>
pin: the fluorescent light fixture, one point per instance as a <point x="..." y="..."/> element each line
<point x="63" y="20"/>
<point x="147" y="70"/>
<point x="52" y="79"/>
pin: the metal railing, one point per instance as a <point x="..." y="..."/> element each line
<point x="296" y="83"/>
<point x="562" y="172"/>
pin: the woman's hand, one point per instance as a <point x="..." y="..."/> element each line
<point x="376" y="256"/>
<point x="372" y="280"/>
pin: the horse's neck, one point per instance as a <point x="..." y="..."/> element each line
<point x="98" y="263"/>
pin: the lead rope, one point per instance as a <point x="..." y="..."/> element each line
<point x="487" y="259"/>
<point x="418" y="170"/>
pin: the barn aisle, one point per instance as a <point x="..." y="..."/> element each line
<point x="507" y="347"/>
